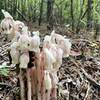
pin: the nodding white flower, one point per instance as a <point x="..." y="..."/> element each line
<point x="49" y="59"/>
<point x="35" y="43"/>
<point x="53" y="32"/>
<point x="10" y="27"/>
<point x="56" y="38"/>
<point x="47" y="41"/>
<point x="24" y="30"/>
<point x="24" y="60"/>
<point x="24" y="42"/>
<point x="18" y="26"/>
<point x="14" y="52"/>
<point x="55" y="51"/>
<point x="62" y="42"/>
<point x="35" y="33"/>
<point x="7" y="26"/>
<point x="66" y="47"/>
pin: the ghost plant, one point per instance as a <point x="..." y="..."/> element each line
<point x="25" y="51"/>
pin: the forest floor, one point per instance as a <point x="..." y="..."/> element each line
<point x="79" y="75"/>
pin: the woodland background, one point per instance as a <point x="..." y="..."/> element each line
<point x="79" y="20"/>
<point x="77" y="14"/>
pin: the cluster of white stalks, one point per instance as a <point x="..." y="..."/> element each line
<point x="42" y="77"/>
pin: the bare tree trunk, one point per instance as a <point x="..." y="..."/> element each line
<point x="90" y="24"/>
<point x="61" y="16"/>
<point x="34" y="11"/>
<point x="41" y="12"/>
<point x="80" y="17"/>
<point x="15" y="8"/>
<point x="5" y="7"/>
<point x="50" y="4"/>
<point x="1" y="7"/>
<point x="89" y="15"/>
<point x="97" y="28"/>
<point x="22" y="8"/>
<point x="72" y="16"/>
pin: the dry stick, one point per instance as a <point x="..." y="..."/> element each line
<point x="80" y="89"/>
<point x="87" y="93"/>
<point x="68" y="92"/>
<point x="77" y="70"/>
<point x="98" y="98"/>
<point x="90" y="79"/>
<point x="22" y="87"/>
<point x="28" y="84"/>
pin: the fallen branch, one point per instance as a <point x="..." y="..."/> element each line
<point x="89" y="78"/>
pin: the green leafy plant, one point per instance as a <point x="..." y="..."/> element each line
<point x="4" y="70"/>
